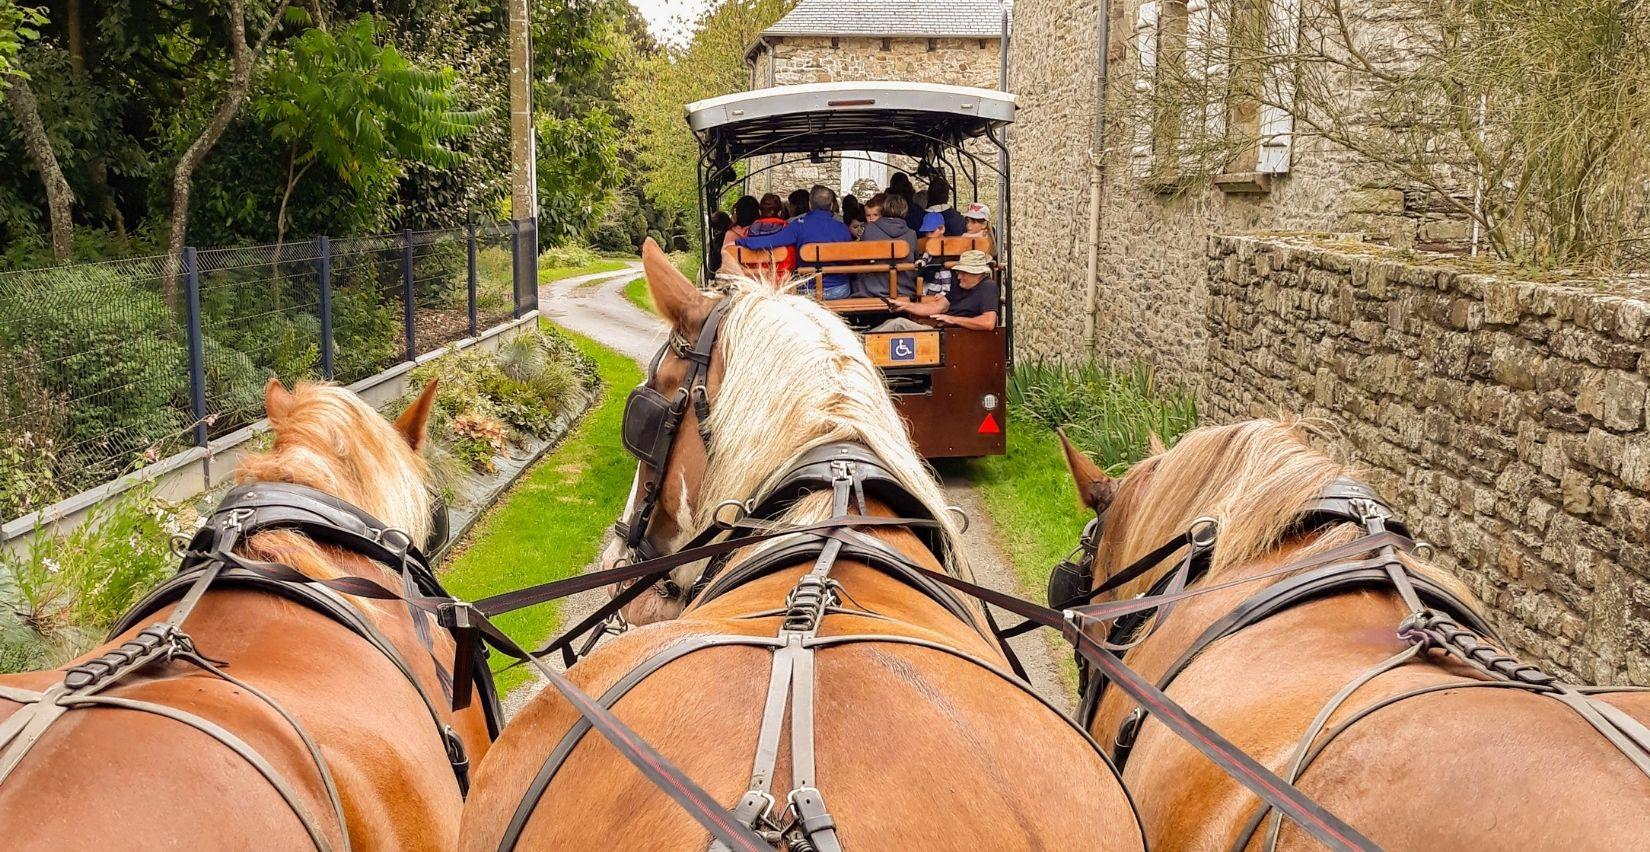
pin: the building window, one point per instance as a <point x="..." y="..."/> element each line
<point x="1212" y="95"/>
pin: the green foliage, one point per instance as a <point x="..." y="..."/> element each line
<point x="551" y="525"/>
<point x="366" y="332"/>
<point x="524" y="386"/>
<point x="578" y="169"/>
<point x="660" y="83"/>
<point x="18" y="25"/>
<point x="1109" y="412"/>
<point x="59" y="599"/>
<point x="111" y="347"/>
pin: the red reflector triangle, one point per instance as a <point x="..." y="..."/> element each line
<point x="989" y="426"/>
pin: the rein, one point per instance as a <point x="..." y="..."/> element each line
<point x="209" y="561"/>
<point x="752" y="826"/>
<point x="1437" y="621"/>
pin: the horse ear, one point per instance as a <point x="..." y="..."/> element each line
<point x="1094" y="487"/>
<point x="1155" y="444"/>
<point x="411" y="423"/>
<point x="277" y="400"/>
<point x="678" y="300"/>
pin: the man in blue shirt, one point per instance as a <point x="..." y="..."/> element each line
<point x="818" y="226"/>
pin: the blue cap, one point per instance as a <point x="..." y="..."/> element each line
<point x="932" y="222"/>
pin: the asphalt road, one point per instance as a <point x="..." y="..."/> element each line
<point x="595" y="306"/>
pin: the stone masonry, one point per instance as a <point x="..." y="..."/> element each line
<point x="1152" y="292"/>
<point x="1506" y="418"/>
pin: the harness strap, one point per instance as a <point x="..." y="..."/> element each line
<point x="1322" y="825"/>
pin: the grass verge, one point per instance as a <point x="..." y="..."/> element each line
<point x="550" y="525"/>
<point x="638" y="294"/>
<point x="1110" y="414"/>
<point x="548" y="274"/>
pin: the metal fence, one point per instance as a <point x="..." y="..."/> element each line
<point x="105" y="367"/>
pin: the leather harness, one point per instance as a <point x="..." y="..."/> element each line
<point x="853" y="475"/>
<point x="1438" y="620"/>
<point x="209" y="562"/>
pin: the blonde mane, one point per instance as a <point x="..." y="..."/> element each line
<point x="795" y="377"/>
<point x="331" y="441"/>
<point x="1254" y="478"/>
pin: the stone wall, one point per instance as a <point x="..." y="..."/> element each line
<point x="822" y="59"/>
<point x="1506" y="419"/>
<point x="1152" y="294"/>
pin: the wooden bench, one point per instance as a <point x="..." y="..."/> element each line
<point x="890" y="256"/>
<point x="948" y="249"/>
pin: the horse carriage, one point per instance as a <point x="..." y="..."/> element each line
<point x="948" y="382"/>
<point x="824" y="673"/>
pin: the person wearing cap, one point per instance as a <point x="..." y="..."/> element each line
<point x="972" y="301"/>
<point x="977" y="219"/>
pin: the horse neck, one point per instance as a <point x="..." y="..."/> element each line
<point x="324" y="562"/>
<point x="1172" y="636"/>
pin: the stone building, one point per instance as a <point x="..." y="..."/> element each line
<point x="822" y="41"/>
<point x="1085" y="182"/>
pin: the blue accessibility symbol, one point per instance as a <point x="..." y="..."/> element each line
<point x="902" y="349"/>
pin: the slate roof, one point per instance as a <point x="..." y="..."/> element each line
<point x="942" y="19"/>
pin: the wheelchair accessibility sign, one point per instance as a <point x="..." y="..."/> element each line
<point x="903" y="348"/>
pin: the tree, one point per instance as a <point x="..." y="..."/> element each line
<point x="242" y="57"/>
<point x="1526" y="117"/>
<point x="359" y="108"/>
<point x="20" y="24"/>
<point x="661" y="83"/>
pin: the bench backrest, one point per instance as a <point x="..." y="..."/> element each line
<point x="864" y="251"/>
<point x="953" y="247"/>
<point x="763" y="258"/>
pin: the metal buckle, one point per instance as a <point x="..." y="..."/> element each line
<point x="385" y="536"/>
<point x="745" y="507"/>
<point x="1202" y="531"/>
<point x="962" y="516"/>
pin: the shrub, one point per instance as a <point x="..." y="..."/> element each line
<point x="569" y="255"/>
<point x="234" y="385"/>
<point x="68" y="590"/>
<point x="1107" y="411"/>
<point x="113" y="350"/>
<point x="366" y="332"/>
<point x="33" y="426"/>
<point x="441" y="274"/>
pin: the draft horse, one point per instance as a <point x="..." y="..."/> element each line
<point x="905" y="729"/>
<point x="1346" y="662"/>
<point x="248" y="704"/>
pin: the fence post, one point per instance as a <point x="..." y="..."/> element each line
<point x="324" y="260"/>
<point x="471" y="233"/>
<point x="197" y="345"/>
<point x="407" y="292"/>
<point x="515" y="270"/>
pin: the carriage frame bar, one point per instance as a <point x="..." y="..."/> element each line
<point x="928" y="122"/>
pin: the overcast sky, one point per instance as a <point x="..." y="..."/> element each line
<point x="668" y="19"/>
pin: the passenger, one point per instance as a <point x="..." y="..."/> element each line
<point x="900" y="184"/>
<point x="939" y="201"/>
<point x="853" y="215"/>
<point x="770" y="216"/>
<point x="720" y="224"/>
<point x="745" y="213"/>
<point x="797" y="205"/>
<point x="972" y="303"/>
<point x="977" y="219"/>
<point x="885" y="220"/>
<point x="819" y="226"/>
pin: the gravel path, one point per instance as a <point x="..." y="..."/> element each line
<point x="595" y="306"/>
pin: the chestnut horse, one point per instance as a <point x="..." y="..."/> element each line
<point x="104" y="776"/>
<point x="1452" y="768"/>
<point x="915" y="747"/>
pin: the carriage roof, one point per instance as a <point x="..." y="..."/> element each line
<point x="886" y="117"/>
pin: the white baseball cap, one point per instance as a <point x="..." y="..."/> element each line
<point x="977" y="210"/>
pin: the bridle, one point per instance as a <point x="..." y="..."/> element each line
<point x="209" y="561"/>
<point x="1437" y="621"/>
<point x="651" y="423"/>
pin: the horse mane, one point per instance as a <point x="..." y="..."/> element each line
<point x="331" y="441"/>
<point x="796" y="377"/>
<point x="1254" y="478"/>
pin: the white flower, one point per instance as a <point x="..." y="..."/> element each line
<point x="52" y="566"/>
